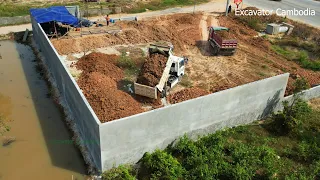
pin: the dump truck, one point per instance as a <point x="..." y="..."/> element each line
<point x="220" y="45"/>
<point x="171" y="75"/>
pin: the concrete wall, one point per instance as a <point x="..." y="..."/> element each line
<point x="72" y="98"/>
<point x="126" y="140"/>
<point x="4" y="21"/>
<point x="307" y="94"/>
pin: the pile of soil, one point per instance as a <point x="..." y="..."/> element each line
<point x="108" y="102"/>
<point x="225" y="35"/>
<point x="187" y="94"/>
<point x="152" y="70"/>
<point x="99" y="62"/>
<point x="96" y="80"/>
<point x="99" y="83"/>
<point x="179" y="29"/>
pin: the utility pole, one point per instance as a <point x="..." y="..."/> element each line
<point x="227" y="7"/>
<point x="194" y="6"/>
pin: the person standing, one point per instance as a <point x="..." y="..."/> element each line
<point x="229" y="9"/>
<point x="108" y="20"/>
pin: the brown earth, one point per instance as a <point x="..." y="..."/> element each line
<point x="259" y="54"/>
<point x="186" y="94"/>
<point x="254" y="59"/>
<point x="99" y="83"/>
<point x="99" y="62"/>
<point x="152" y="70"/>
<point x="180" y="29"/>
<point x="225" y="35"/>
<point x="107" y="101"/>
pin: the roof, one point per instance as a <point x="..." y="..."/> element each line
<point x="54" y="13"/>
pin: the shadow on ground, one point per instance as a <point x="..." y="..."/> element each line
<point x="205" y="48"/>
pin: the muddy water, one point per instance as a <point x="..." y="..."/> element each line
<point x="43" y="148"/>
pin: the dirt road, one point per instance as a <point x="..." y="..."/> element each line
<point x="213" y="6"/>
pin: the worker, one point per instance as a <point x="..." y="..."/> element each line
<point x="229" y="9"/>
<point x="107" y="19"/>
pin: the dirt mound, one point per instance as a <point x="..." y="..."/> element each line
<point x="240" y="31"/>
<point x="152" y="70"/>
<point x="107" y="101"/>
<point x="99" y="83"/>
<point x="97" y="80"/>
<point x="225" y="35"/>
<point x="110" y="103"/>
<point x="99" y="62"/>
<point x="180" y="29"/>
<point x="184" y="19"/>
<point x="187" y="94"/>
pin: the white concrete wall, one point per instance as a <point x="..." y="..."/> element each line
<point x="126" y="140"/>
<point x="73" y="100"/>
<point x="307" y="94"/>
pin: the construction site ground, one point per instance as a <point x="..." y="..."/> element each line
<point x="254" y="60"/>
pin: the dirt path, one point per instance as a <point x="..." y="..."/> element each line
<point x="204" y="28"/>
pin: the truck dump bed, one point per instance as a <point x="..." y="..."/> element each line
<point x="223" y="38"/>
<point x="151" y="92"/>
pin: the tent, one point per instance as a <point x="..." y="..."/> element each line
<point x="54" y="13"/>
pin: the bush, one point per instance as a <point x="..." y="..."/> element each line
<point x="161" y="165"/>
<point x="126" y="62"/>
<point x="123" y="172"/>
<point x="289" y="120"/>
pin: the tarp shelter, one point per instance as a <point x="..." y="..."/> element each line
<point x="54" y="13"/>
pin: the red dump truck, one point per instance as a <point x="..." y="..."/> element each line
<point x="219" y="44"/>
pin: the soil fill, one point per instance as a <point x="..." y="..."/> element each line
<point x="225" y="35"/>
<point x="187" y="94"/>
<point x="99" y="83"/>
<point x="152" y="70"/>
<point x="99" y="62"/>
<point x="179" y="29"/>
<point x="107" y="101"/>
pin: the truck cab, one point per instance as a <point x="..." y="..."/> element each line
<point x="177" y="67"/>
<point x="176" y="70"/>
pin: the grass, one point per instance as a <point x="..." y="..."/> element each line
<point x="162" y="4"/>
<point x="131" y="69"/>
<point x="245" y="152"/>
<point x="14" y="9"/>
<point x="3" y="127"/>
<point x="301" y="57"/>
<point x="11" y="10"/>
<point x="261" y="74"/>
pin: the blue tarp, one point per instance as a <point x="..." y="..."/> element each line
<point x="54" y="13"/>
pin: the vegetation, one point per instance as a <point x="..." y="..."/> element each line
<point x="3" y="127"/>
<point x="301" y="46"/>
<point x="161" y="4"/>
<point x="301" y="57"/>
<point x="128" y="64"/>
<point x="15" y="9"/>
<point x="120" y="173"/>
<point x="284" y="146"/>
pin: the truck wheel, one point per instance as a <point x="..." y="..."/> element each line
<point x="163" y="93"/>
<point x="215" y="50"/>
